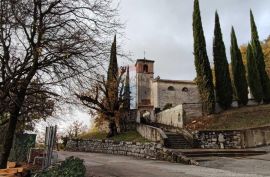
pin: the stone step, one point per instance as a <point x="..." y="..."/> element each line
<point x="179" y="147"/>
<point x="224" y="153"/>
<point x="176" y="141"/>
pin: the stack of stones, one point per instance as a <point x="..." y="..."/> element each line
<point x="137" y="149"/>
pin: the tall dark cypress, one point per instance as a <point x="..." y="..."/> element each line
<point x="204" y="77"/>
<point x="238" y="72"/>
<point x="254" y="80"/>
<point x="112" y="77"/>
<point x="126" y="105"/>
<point x="259" y="57"/>
<point x="224" y="91"/>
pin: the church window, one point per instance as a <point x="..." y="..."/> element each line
<point x="171" y="88"/>
<point x="145" y="68"/>
<point x="184" y="89"/>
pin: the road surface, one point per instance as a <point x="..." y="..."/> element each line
<point x="107" y="165"/>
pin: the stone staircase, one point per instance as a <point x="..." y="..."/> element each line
<point x="176" y="141"/>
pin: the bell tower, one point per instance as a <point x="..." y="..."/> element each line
<point x="144" y="77"/>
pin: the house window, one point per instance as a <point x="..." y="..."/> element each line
<point x="171" y="88"/>
<point x="145" y="68"/>
<point x="185" y="89"/>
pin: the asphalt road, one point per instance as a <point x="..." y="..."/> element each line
<point x="106" y="165"/>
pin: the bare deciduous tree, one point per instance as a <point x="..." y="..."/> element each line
<point x="38" y="105"/>
<point x="56" y="42"/>
<point x="99" y="100"/>
<point x="75" y="129"/>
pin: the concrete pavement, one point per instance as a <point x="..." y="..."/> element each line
<point x="107" y="165"/>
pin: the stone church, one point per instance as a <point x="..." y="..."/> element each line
<point x="155" y="94"/>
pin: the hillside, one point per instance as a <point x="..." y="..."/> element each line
<point x="237" y="118"/>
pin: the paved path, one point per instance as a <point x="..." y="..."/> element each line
<point x="106" y="165"/>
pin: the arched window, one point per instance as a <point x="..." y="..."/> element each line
<point x="171" y="88"/>
<point x="184" y="89"/>
<point x="145" y="68"/>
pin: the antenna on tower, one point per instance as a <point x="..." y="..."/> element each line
<point x="144" y="54"/>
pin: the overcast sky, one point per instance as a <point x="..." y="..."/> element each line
<point x="163" y="28"/>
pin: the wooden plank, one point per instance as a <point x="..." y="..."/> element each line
<point x="19" y="169"/>
<point x="8" y="171"/>
<point x="11" y="164"/>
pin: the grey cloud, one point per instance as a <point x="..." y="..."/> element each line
<point x="164" y="29"/>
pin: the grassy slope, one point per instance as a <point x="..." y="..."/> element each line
<point x="241" y="118"/>
<point x="126" y="136"/>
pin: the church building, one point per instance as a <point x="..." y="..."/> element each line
<point x="156" y="94"/>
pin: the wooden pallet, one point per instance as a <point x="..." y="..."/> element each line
<point x="11" y="170"/>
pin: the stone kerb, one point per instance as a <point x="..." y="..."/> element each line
<point x="141" y="150"/>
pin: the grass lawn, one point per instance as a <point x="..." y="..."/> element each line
<point x="126" y="136"/>
<point x="234" y="119"/>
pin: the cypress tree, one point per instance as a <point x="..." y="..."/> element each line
<point x="112" y="89"/>
<point x="259" y="57"/>
<point x="238" y="72"/>
<point x="112" y="77"/>
<point x="254" y="76"/>
<point x="126" y="105"/>
<point x="222" y="75"/>
<point x="204" y="77"/>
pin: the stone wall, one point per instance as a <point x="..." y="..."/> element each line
<point x="192" y="110"/>
<point x="151" y="133"/>
<point x="256" y="137"/>
<point x="234" y="139"/>
<point x="180" y="92"/>
<point x="219" y="139"/>
<point x="179" y="115"/>
<point x="172" y="117"/>
<point x="136" y="149"/>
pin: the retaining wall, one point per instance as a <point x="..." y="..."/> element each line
<point x="234" y="139"/>
<point x="213" y="139"/>
<point x="151" y="133"/>
<point x="172" y="117"/>
<point x="141" y="150"/>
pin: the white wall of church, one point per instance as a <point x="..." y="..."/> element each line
<point x="172" y="117"/>
<point x="181" y="93"/>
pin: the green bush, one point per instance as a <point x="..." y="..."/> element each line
<point x="71" y="167"/>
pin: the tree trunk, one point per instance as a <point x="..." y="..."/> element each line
<point x="123" y="124"/>
<point x="112" y="129"/>
<point x="8" y="140"/>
